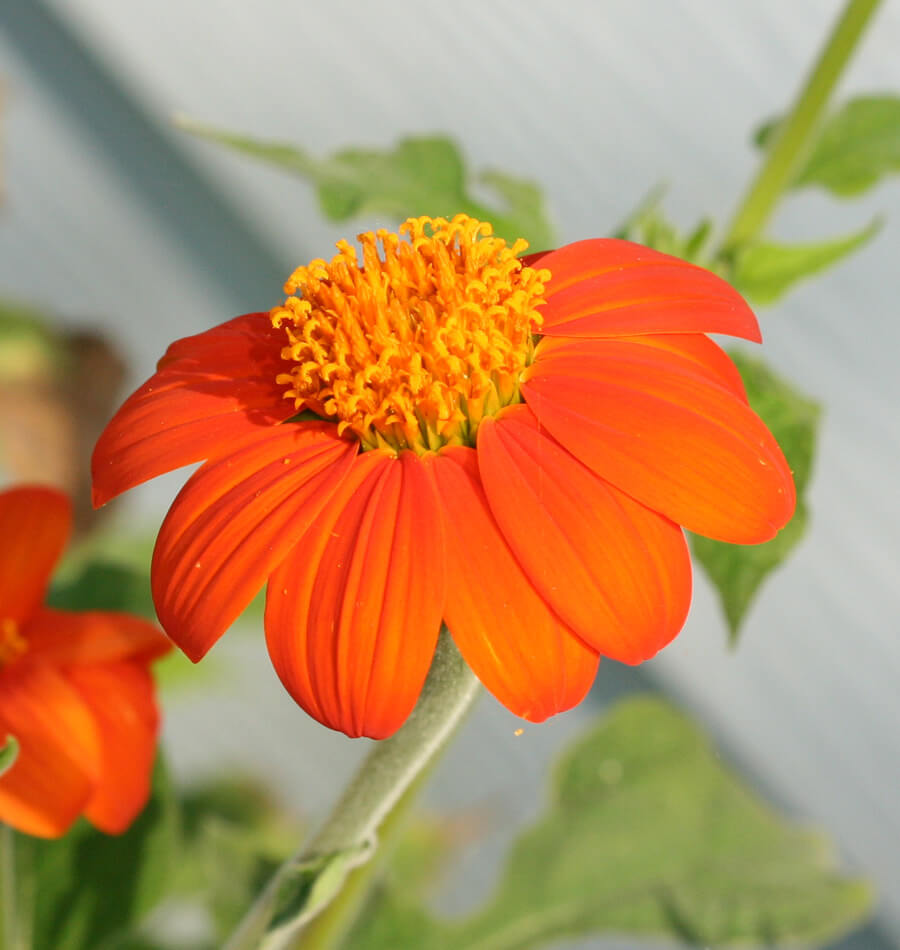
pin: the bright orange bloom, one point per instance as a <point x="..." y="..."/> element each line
<point x="443" y="431"/>
<point x="75" y="689"/>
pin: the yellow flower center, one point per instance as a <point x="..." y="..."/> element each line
<point x="12" y="643"/>
<point x="415" y="346"/>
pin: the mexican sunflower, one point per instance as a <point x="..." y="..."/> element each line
<point x="442" y="430"/>
<point x="75" y="688"/>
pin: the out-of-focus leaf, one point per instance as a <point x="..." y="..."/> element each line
<point x="424" y="175"/>
<point x="647" y="225"/>
<point x="91" y="887"/>
<point x="647" y="835"/>
<point x="105" y="585"/>
<point x="737" y="570"/>
<point x="764" y="270"/>
<point x="28" y="349"/>
<point x="235" y="838"/>
<point x="763" y="134"/>
<point x="855" y="148"/>
<point x="9" y="753"/>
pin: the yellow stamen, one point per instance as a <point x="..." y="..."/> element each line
<point x="12" y="643"/>
<point x="415" y="346"/>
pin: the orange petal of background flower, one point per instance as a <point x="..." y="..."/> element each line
<point x="63" y="637"/>
<point x="662" y="432"/>
<point x="121" y="699"/>
<point x="353" y="614"/>
<point x="34" y="526"/>
<point x="235" y="521"/>
<point x="606" y="287"/>
<point x="210" y="389"/>
<point x="515" y="644"/>
<point x="59" y="750"/>
<point x="617" y="573"/>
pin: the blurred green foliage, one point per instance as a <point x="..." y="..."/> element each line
<point x="8" y="753"/>
<point x="422" y="175"/>
<point x="856" y="147"/>
<point x="647" y="834"/>
<point x="28" y="348"/>
<point x="92" y="887"/>
<point x="764" y="271"/>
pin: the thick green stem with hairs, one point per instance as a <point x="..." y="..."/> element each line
<point x="306" y="884"/>
<point x="795" y="133"/>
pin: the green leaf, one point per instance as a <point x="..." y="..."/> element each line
<point x="105" y="585"/>
<point x="235" y="837"/>
<point x="647" y="225"/>
<point x="763" y="271"/>
<point x="855" y="148"/>
<point x="93" y="887"/>
<point x="736" y="570"/>
<point x="424" y="175"/>
<point x="9" y="753"/>
<point x="28" y="348"/>
<point x="647" y="835"/>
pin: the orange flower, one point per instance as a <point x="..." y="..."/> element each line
<point x="74" y="687"/>
<point x="508" y="445"/>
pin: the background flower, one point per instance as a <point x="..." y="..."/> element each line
<point x="75" y="688"/>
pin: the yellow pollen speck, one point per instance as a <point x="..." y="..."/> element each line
<point x="518" y="732"/>
<point x="414" y="346"/>
<point x="12" y="643"/>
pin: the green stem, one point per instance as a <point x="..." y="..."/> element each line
<point x="15" y="893"/>
<point x="328" y="930"/>
<point x="793" y="137"/>
<point x="309" y="881"/>
<point x="8" y="886"/>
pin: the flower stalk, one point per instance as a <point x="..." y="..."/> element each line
<point x="306" y="883"/>
<point x="795" y="135"/>
<point x="16" y="890"/>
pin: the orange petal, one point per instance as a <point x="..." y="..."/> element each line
<point x="34" y="526"/>
<point x="661" y="431"/>
<point x="353" y="614"/>
<point x="63" y="637"/>
<point x="210" y="389"/>
<point x="606" y="287"/>
<point x="235" y="521"/>
<point x="121" y="699"/>
<point x="59" y="750"/>
<point x="617" y="573"/>
<point x="516" y="645"/>
<point x="698" y="350"/>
